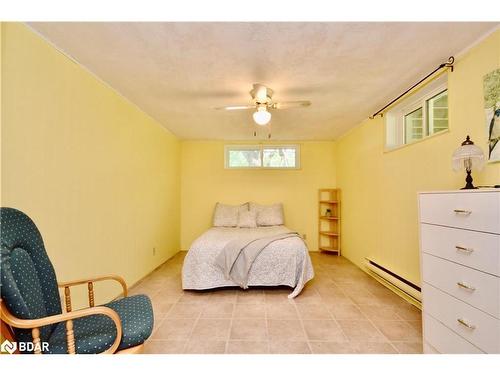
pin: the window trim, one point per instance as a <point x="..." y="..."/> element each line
<point x="261" y="148"/>
<point x="395" y="117"/>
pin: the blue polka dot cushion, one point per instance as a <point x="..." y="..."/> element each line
<point x="96" y="333"/>
<point x="28" y="282"/>
<point x="29" y="289"/>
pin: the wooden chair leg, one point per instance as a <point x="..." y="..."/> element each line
<point x="70" y="337"/>
<point x="35" y="333"/>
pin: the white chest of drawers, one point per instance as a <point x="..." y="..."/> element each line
<point x="460" y="268"/>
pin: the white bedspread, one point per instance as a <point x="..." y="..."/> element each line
<point x="284" y="262"/>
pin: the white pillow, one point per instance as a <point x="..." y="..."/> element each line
<point x="268" y="215"/>
<point x="247" y="219"/>
<point x="226" y="215"/>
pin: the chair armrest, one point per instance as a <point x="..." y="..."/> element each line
<point x="35" y="324"/>
<point x="100" y="278"/>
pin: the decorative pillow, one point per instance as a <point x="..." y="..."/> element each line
<point x="247" y="219"/>
<point x="226" y="215"/>
<point x="268" y="215"/>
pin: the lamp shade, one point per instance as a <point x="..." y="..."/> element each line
<point x="468" y="156"/>
<point x="262" y="116"/>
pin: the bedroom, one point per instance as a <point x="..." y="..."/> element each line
<point x="113" y="146"/>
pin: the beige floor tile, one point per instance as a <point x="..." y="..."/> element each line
<point x="340" y="299"/>
<point x="160" y="307"/>
<point x="205" y="347"/>
<point x="281" y="311"/>
<point x="308" y="296"/>
<point x="323" y="330"/>
<point x="251" y="296"/>
<point x="249" y="329"/>
<point x="185" y="311"/>
<point x="373" y="348"/>
<point x="416" y="325"/>
<point x="398" y="330"/>
<point x="250" y="311"/>
<point x="289" y="347"/>
<point x="278" y="296"/>
<point x="307" y="311"/>
<point x="408" y="347"/>
<point x="164" y="346"/>
<point x="194" y="297"/>
<point x="408" y="312"/>
<point x="223" y="296"/>
<point x="217" y="310"/>
<point x="247" y="347"/>
<point x="345" y="311"/>
<point x="360" y="330"/>
<point x="166" y="297"/>
<point x="328" y="347"/>
<point x="211" y="329"/>
<point x="290" y="330"/>
<point x="174" y="329"/>
<point x="378" y="312"/>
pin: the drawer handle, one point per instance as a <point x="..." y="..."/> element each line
<point x="465" y="324"/>
<point x="462" y="212"/>
<point x="467" y="250"/>
<point x="465" y="286"/>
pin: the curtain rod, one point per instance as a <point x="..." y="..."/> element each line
<point x="447" y="64"/>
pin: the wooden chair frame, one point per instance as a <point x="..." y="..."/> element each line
<point x="69" y="316"/>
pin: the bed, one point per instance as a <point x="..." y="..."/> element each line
<point x="284" y="262"/>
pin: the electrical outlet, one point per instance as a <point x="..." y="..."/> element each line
<point x="154" y="251"/>
<point x="304" y="236"/>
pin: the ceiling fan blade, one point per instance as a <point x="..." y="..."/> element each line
<point x="235" y="107"/>
<point x="291" y="104"/>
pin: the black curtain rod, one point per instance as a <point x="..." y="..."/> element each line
<point x="447" y="64"/>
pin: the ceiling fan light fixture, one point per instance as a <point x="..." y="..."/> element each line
<point x="262" y="116"/>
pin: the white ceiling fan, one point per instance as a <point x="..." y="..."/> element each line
<point x="263" y="102"/>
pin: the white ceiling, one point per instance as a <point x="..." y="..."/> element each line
<point x="177" y="72"/>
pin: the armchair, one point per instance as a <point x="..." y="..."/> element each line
<point x="31" y="307"/>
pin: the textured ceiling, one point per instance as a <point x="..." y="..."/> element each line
<point x="177" y="72"/>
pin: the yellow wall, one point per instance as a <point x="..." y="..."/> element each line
<point x="380" y="189"/>
<point x="204" y="182"/>
<point x="98" y="176"/>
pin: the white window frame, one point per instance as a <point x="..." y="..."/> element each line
<point x="261" y="149"/>
<point x="395" y="128"/>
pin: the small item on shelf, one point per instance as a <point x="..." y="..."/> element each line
<point x="468" y="156"/>
<point x="328" y="212"/>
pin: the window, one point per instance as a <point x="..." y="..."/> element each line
<point x="437" y="112"/>
<point x="422" y="114"/>
<point x="414" y="125"/>
<point x="258" y="156"/>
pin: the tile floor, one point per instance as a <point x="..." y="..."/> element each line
<point x="342" y="310"/>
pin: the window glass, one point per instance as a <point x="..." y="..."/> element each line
<point x="279" y="157"/>
<point x="437" y="113"/>
<point x="414" y="128"/>
<point x="244" y="158"/>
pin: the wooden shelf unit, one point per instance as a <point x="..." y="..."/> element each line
<point x="329" y="226"/>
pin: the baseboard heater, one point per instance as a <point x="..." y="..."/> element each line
<point x="395" y="280"/>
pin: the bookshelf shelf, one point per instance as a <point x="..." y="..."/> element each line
<point x="329" y="220"/>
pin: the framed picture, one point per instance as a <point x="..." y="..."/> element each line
<point x="491" y="85"/>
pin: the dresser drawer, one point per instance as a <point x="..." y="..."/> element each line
<point x="477" y="211"/>
<point x="484" y="292"/>
<point x="443" y="340"/>
<point x="472" y="249"/>
<point x="484" y="329"/>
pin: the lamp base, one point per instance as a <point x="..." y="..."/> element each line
<point x="468" y="181"/>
